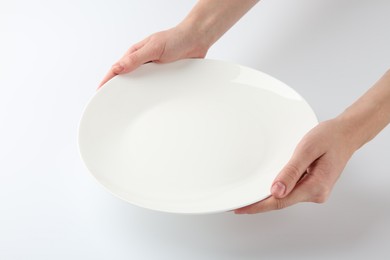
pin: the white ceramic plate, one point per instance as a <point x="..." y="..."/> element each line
<point x="194" y="136"/>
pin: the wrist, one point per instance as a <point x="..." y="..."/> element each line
<point x="210" y="19"/>
<point x="369" y="114"/>
<point x="202" y="26"/>
<point x="353" y="130"/>
<point x="196" y="34"/>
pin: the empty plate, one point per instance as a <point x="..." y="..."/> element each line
<point x="194" y="136"/>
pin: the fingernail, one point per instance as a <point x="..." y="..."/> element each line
<point x="278" y="189"/>
<point x="117" y="68"/>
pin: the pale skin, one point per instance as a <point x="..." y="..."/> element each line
<point x="324" y="151"/>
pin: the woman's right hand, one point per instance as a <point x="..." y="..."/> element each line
<point x="161" y="47"/>
<point x="204" y="25"/>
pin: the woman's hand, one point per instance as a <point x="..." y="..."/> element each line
<point x="203" y="26"/>
<point x="312" y="171"/>
<point x="322" y="154"/>
<point x="162" y="47"/>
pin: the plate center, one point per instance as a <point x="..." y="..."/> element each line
<point x="191" y="144"/>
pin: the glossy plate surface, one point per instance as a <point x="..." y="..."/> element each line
<point x="193" y="136"/>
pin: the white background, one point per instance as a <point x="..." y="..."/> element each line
<point x="53" y="55"/>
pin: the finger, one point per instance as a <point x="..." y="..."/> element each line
<point x="304" y="155"/>
<point x="110" y="74"/>
<point x="299" y="194"/>
<point x="118" y="68"/>
<point x="136" y="59"/>
<point x="129" y="63"/>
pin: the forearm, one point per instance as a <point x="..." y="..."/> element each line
<point x="210" y="19"/>
<point x="365" y="118"/>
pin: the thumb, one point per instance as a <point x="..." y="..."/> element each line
<point x="294" y="170"/>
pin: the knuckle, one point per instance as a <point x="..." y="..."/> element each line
<point x="128" y="61"/>
<point x="154" y="40"/>
<point x="320" y="185"/>
<point x="291" y="173"/>
<point x="117" y="67"/>
<point x="154" y="37"/>
<point x="308" y="148"/>
<point x="320" y="194"/>
<point x="155" y="48"/>
<point x="131" y="59"/>
<point x="118" y="63"/>
<point x="280" y="204"/>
